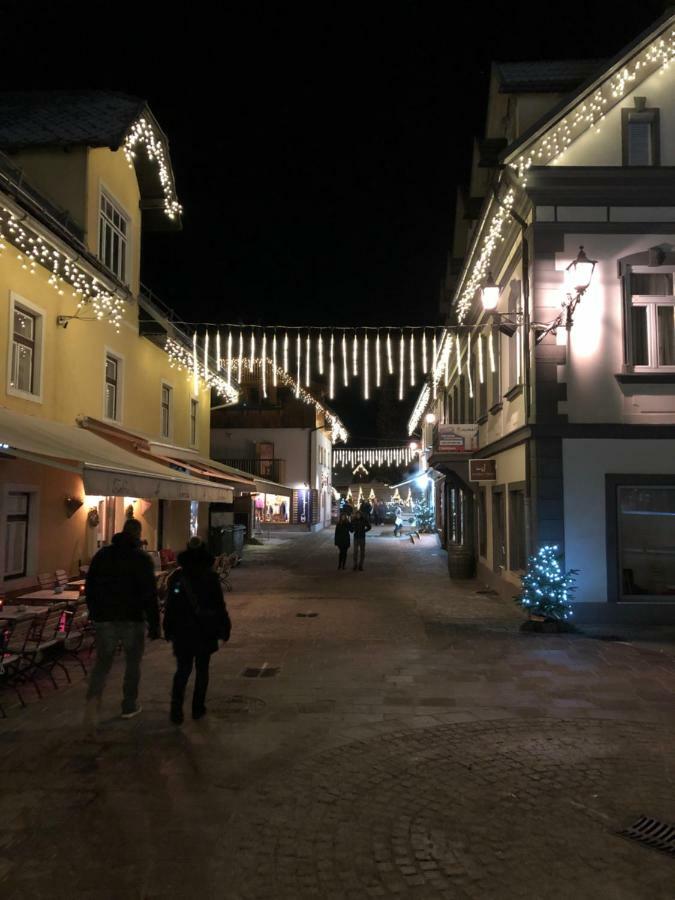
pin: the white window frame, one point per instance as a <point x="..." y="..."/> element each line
<point x="193" y="443"/>
<point x="32" y="537"/>
<point x="123" y="275"/>
<point x="169" y="386"/>
<point x="39" y="314"/>
<point x="119" y="405"/>
<point x="651" y="302"/>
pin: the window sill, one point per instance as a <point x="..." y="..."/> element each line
<point x="495" y="408"/>
<point x="482" y="420"/>
<point x="24" y="395"/>
<point x="514" y="392"/>
<point x="665" y="377"/>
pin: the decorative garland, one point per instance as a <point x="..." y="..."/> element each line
<point x="142" y="132"/>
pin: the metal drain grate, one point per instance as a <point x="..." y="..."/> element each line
<point x="264" y="671"/>
<point x="237" y="705"/>
<point x="306" y="615"/>
<point x="652" y="833"/>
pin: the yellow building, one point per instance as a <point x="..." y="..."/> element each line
<point x="95" y="416"/>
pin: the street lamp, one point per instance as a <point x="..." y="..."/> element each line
<point x="430" y="418"/>
<point x="579" y="273"/>
<point x="413" y="446"/>
<point x="490" y="293"/>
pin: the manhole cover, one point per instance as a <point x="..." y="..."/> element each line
<point x="652" y="833"/>
<point x="309" y="615"/>
<point x="236" y="705"/>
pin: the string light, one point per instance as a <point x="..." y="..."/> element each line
<point x="401" y="365"/>
<point x="142" y="132"/>
<point x="366" y="378"/>
<point x="468" y="365"/>
<point x="274" y="359"/>
<point x="481" y="374"/>
<point x="308" y="360"/>
<point x="320" y="354"/>
<point x="356" y="457"/>
<point x="491" y="351"/>
<point x="378" y="378"/>
<point x="425" y="367"/>
<point x="218" y="359"/>
<point x="263" y="365"/>
<point x="206" y="355"/>
<point x="241" y="356"/>
<point x="331" y="376"/>
<point x="195" y="375"/>
<point x="285" y="351"/>
<point x="433" y="351"/>
<point x="355" y="357"/>
<point x="229" y="357"/>
<point x="412" y="359"/>
<point x="298" y="360"/>
<point x="252" y="349"/>
<point x="186" y="359"/>
<point x="345" y="367"/>
<point x="390" y="362"/>
<point x="420" y="407"/>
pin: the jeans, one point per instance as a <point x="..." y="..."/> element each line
<point x="342" y="558"/>
<point x="108" y="636"/>
<point x="184" y="661"/>
<point x="359" y="553"/>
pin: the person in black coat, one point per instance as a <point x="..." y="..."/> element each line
<point x="195" y="619"/>
<point x="342" y="540"/>
<point x="359" y="526"/>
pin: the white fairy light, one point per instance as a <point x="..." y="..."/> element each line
<point x="481" y="372"/>
<point x="252" y="354"/>
<point x="263" y="365"/>
<point x="390" y="361"/>
<point x="218" y="360"/>
<point x="345" y="366"/>
<point x="206" y="354"/>
<point x="195" y="369"/>
<point x="378" y="379"/>
<point x="366" y="378"/>
<point x="142" y="132"/>
<point x="468" y="365"/>
<point x="331" y="374"/>
<point x="425" y="367"/>
<point x="320" y="354"/>
<point x="458" y="350"/>
<point x="240" y="358"/>
<point x="433" y="352"/>
<point x="229" y="357"/>
<point x="274" y="359"/>
<point x="401" y="365"/>
<point x="355" y="357"/>
<point x="298" y="360"/>
<point x="412" y="358"/>
<point x="308" y="360"/>
<point x="285" y="351"/>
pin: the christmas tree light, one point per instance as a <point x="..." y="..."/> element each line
<point x="366" y="377"/>
<point x="263" y="365"/>
<point x="308" y="361"/>
<point x="320" y="354"/>
<point x="412" y="359"/>
<point x="401" y="365"/>
<point x="331" y="388"/>
<point x="345" y="367"/>
<point x="285" y="351"/>
<point x="390" y="362"/>
<point x="546" y="589"/>
<point x="378" y="373"/>
<point x="274" y="359"/>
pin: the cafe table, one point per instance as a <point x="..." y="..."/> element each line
<point x="14" y="613"/>
<point x="75" y="583"/>
<point x="49" y="596"/>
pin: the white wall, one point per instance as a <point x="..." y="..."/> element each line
<point x="290" y="444"/>
<point x="585" y="464"/>
<point x="601" y="145"/>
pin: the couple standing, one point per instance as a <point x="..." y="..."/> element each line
<point x="121" y="593"/>
<point x="358" y="526"/>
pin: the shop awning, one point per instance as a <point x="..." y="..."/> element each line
<point x="107" y="469"/>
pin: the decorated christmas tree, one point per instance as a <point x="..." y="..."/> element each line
<point x="425" y="516"/>
<point x="546" y="588"/>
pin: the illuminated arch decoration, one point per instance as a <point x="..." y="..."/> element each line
<point x="144" y="134"/>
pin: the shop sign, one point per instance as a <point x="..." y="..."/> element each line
<point x="482" y="470"/>
<point x="455" y="438"/>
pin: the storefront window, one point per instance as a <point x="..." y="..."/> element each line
<point x="272" y="508"/>
<point x="647" y="541"/>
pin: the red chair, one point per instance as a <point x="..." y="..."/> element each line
<point x="167" y="557"/>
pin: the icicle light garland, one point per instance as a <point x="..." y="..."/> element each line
<point x="345" y="366"/>
<point x="468" y="366"/>
<point x="401" y="366"/>
<point x="412" y="360"/>
<point x="481" y="369"/>
<point x="338" y="430"/>
<point x="142" y="132"/>
<point x="308" y="360"/>
<point x="331" y="375"/>
<point x="206" y="356"/>
<point x="229" y="358"/>
<point x="298" y="360"/>
<point x="378" y="364"/>
<point x="218" y="356"/>
<point x="188" y="361"/>
<point x="240" y="358"/>
<point x="355" y="457"/>
<point x="252" y="353"/>
<point x="286" y="351"/>
<point x="491" y="350"/>
<point x="366" y="375"/>
<point x="390" y="361"/>
<point x="420" y="407"/>
<point x="263" y="367"/>
<point x="321" y="354"/>
<point x="274" y="359"/>
<point x="34" y="250"/>
<point x="355" y="357"/>
<point x="425" y="367"/>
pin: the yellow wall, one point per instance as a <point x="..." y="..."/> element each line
<point x="59" y="174"/>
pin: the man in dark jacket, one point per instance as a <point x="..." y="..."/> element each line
<point x="121" y="593"/>
<point x="359" y="526"/>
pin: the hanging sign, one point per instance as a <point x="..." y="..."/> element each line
<point x="455" y="438"/>
<point x="482" y="470"/>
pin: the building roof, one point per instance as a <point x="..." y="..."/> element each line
<point x="90" y="118"/>
<point x="545" y="76"/>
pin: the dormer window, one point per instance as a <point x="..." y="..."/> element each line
<point x="113" y="237"/>
<point x="641" y="144"/>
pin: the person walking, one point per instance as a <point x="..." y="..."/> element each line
<point x="121" y="594"/>
<point x="398" y="523"/>
<point x="342" y="540"/>
<point x="195" y="619"/>
<point x="359" y="526"/>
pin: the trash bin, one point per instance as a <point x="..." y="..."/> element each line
<point x="227" y="539"/>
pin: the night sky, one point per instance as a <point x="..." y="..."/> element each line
<point x="317" y="149"/>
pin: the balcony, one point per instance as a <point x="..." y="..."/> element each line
<point x="271" y="469"/>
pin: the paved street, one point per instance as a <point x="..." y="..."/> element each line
<point x="403" y="739"/>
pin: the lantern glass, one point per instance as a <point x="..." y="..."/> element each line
<point x="579" y="272"/>
<point x="490" y="293"/>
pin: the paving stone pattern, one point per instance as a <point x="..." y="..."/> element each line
<point x="413" y="743"/>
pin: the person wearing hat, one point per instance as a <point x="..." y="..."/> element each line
<point x="195" y="619"/>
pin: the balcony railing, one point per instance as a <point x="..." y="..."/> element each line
<point x="272" y="469"/>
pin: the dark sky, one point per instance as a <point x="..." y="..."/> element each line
<point x="316" y="148"/>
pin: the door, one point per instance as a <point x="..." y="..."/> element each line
<point x="498" y="530"/>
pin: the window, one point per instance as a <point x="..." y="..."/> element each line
<point x="481" y="385"/>
<point x="515" y="344"/>
<point x="646" y="529"/>
<point x="23" y="351"/>
<point x="494" y="356"/>
<point x="194" y="416"/>
<point x="112" y="237"/>
<point x="652" y="320"/>
<point x="16" y="535"/>
<point x="166" y="410"/>
<point x="517" y="549"/>
<point x="640" y="134"/>
<point x="112" y="387"/>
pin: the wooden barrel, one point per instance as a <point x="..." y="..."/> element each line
<point x="461" y="562"/>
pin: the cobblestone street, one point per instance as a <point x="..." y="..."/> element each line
<point x="412" y="743"/>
